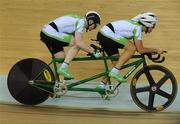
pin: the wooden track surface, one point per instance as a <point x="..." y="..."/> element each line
<point x="22" y="20"/>
<point x="44" y="115"/>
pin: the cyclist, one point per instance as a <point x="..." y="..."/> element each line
<point x="68" y="31"/>
<point x="127" y="35"/>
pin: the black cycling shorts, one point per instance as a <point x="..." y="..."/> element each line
<point x="52" y="44"/>
<point x="110" y="46"/>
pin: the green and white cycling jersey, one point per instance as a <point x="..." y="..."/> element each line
<point x="124" y="30"/>
<point x="67" y="25"/>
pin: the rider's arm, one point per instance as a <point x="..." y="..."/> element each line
<point x="78" y="40"/>
<point x="78" y="37"/>
<point x="141" y="49"/>
<point x="139" y="44"/>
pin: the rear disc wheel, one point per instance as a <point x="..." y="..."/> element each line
<point x="20" y="75"/>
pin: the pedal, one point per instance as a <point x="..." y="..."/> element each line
<point x="60" y="89"/>
<point x="106" y="97"/>
<point x="111" y="91"/>
<point x="55" y="96"/>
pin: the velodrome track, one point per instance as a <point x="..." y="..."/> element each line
<point x="20" y="23"/>
<point x="53" y="115"/>
<point x="81" y="106"/>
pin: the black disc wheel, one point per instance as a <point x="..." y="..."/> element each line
<point x="20" y="75"/>
<point x="153" y="88"/>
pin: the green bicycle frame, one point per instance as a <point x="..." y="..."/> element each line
<point x="46" y="85"/>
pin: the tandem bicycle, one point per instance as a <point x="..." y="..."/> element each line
<point x="31" y="81"/>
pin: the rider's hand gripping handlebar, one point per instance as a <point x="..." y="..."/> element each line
<point x="96" y="48"/>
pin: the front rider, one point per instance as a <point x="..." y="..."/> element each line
<point x="127" y="35"/>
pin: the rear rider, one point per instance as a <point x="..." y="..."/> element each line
<point x="127" y="35"/>
<point x="68" y="31"/>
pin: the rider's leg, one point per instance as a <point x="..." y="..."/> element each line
<point x="60" y="54"/>
<point x="63" y="69"/>
<point x="105" y="79"/>
<point x="129" y="50"/>
<point x="72" y="52"/>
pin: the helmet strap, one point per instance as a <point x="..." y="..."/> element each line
<point x="88" y="25"/>
<point x="87" y="28"/>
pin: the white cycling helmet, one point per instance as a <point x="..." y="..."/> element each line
<point x="147" y="19"/>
